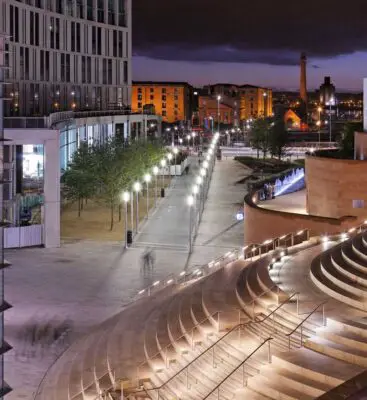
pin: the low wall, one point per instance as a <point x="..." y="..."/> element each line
<point x="262" y="224"/>
<point x="23" y="236"/>
<point x="336" y="187"/>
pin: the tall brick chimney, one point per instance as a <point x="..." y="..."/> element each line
<point x="303" y="80"/>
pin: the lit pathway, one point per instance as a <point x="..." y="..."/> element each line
<point x="219" y="230"/>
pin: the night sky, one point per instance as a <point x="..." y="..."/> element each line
<point x="250" y="41"/>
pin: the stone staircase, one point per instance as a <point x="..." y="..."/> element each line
<point x="225" y="336"/>
<point x="341" y="272"/>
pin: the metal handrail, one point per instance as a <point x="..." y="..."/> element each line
<point x="240" y="365"/>
<point x="214" y="344"/>
<point x="289" y="335"/>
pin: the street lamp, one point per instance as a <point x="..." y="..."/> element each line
<point x="219" y="98"/>
<point x="155" y="172"/>
<point x="137" y="188"/>
<point x="147" y="179"/>
<point x="163" y="164"/>
<point x="180" y="140"/>
<point x="126" y="198"/>
<point x="331" y="102"/>
<point x="169" y="156"/>
<point x="193" y="134"/>
<point x="175" y="151"/>
<point x="205" y="164"/>
<point x="190" y="202"/>
<point x="212" y="124"/>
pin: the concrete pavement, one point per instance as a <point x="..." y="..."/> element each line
<point x="87" y="282"/>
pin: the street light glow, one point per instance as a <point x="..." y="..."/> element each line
<point x="195" y="189"/>
<point x="126" y="196"/>
<point x="205" y="164"/>
<point x="190" y="200"/>
<point x="137" y="186"/>
<point x="169" y="156"/>
<point x="199" y="180"/>
<point x="188" y="137"/>
<point x="210" y="151"/>
<point x="163" y="163"/>
<point x="202" y="172"/>
<point x="155" y="170"/>
<point x="175" y="150"/>
<point x="147" y="178"/>
<point x="219" y="97"/>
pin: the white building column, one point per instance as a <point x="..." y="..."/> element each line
<point x="51" y="228"/>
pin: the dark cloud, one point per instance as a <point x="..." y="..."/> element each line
<point x="266" y="31"/>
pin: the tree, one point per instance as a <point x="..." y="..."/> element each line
<point x="279" y="137"/>
<point x="78" y="178"/>
<point x="346" y="140"/>
<point x="260" y="136"/>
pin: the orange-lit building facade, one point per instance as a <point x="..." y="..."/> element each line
<point x="171" y="100"/>
<point x="255" y="102"/>
<point x="208" y="111"/>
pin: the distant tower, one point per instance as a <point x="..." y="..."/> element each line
<point x="303" y="81"/>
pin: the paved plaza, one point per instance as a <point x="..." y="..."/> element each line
<point x="291" y="203"/>
<point x="87" y="282"/>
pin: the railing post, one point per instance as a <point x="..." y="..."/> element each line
<point x="278" y="291"/>
<point x="166" y="356"/>
<point x="137" y="377"/>
<point x="269" y="353"/>
<point x="213" y="358"/>
<point x="297" y="303"/>
<point x="302" y="335"/>
<point x="158" y="394"/>
<point x="218" y="394"/>
<point x="323" y="315"/>
<point x="292" y="239"/>
<point x="187" y="378"/>
<point x="192" y="338"/>
<point x="273" y="322"/>
<point x="218" y="321"/>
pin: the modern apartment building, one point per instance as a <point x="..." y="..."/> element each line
<point x="68" y="81"/>
<point x="66" y="55"/>
<point x="171" y="100"/>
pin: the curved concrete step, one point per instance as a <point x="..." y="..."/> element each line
<point x="328" y="287"/>
<point x="352" y="258"/>
<point x="345" y="283"/>
<point x="275" y="390"/>
<point x="359" y="248"/>
<point x="347" y="269"/>
<point x="337" y="350"/>
<point x="316" y="366"/>
<point x="294" y="380"/>
<point x="349" y="339"/>
<point x="358" y="327"/>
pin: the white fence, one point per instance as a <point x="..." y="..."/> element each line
<point x="174" y="169"/>
<point x="23" y="236"/>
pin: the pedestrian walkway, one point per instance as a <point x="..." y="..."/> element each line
<point x="219" y="230"/>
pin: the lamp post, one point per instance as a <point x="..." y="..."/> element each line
<point x="163" y="164"/>
<point x="188" y="137"/>
<point x="219" y="98"/>
<point x="132" y="210"/>
<point x="168" y="130"/>
<point x="331" y="102"/>
<point x="195" y="191"/>
<point x="169" y="157"/>
<point x="199" y="181"/>
<point x="193" y="134"/>
<point x="147" y="179"/>
<point x="137" y="188"/>
<point x="212" y="124"/>
<point x="126" y="198"/>
<point x="175" y="151"/>
<point x="173" y="136"/>
<point x="190" y="202"/>
<point x="155" y="172"/>
<point x="319" y="109"/>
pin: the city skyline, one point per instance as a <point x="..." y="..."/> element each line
<point x="216" y="42"/>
